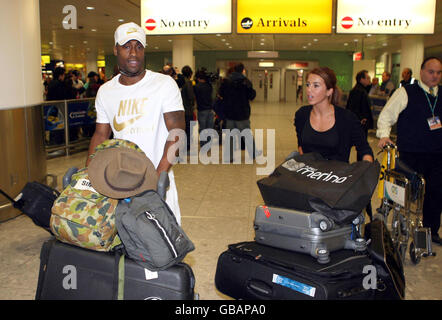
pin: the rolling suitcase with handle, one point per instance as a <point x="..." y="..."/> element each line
<point x="251" y="271"/>
<point x="35" y="200"/>
<point x="68" y="272"/>
<point x="305" y="232"/>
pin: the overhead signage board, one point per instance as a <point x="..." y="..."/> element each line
<point x="386" y="17"/>
<point x="262" y="54"/>
<point x="357" y="56"/>
<point x="45" y="59"/>
<point x="284" y="16"/>
<point x="178" y="17"/>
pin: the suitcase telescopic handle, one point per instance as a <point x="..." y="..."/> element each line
<point x="7" y="196"/>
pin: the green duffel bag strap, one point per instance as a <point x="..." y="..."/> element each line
<point x="119" y="275"/>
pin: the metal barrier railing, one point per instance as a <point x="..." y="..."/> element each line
<point x="68" y="124"/>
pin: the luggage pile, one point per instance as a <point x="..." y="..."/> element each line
<point x="116" y="238"/>
<point x="308" y="238"/>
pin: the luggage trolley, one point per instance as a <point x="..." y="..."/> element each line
<point x="403" y="193"/>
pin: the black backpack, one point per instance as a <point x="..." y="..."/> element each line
<point x="150" y="232"/>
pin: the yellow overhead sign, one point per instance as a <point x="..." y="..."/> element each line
<point x="284" y="16"/>
<point x="45" y="59"/>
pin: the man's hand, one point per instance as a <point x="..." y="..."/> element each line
<point x="363" y="121"/>
<point x="384" y="141"/>
<point x="102" y="133"/>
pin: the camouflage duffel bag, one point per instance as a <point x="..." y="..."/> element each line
<point x="83" y="217"/>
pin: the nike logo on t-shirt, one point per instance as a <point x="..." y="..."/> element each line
<point x="130" y="107"/>
<point x="120" y="126"/>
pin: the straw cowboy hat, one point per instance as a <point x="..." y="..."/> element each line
<point x="121" y="172"/>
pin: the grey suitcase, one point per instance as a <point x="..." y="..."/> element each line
<point x="310" y="233"/>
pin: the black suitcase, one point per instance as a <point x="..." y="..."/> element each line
<point x="386" y="259"/>
<point x="35" y="200"/>
<point x="71" y="273"/>
<point x="250" y="271"/>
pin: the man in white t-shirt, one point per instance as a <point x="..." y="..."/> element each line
<point x="140" y="106"/>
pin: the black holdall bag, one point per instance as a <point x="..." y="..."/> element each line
<point x="35" y="200"/>
<point x="303" y="178"/>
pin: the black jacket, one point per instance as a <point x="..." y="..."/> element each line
<point x="203" y="96"/>
<point x="349" y="131"/>
<point x="188" y="97"/>
<point x="359" y="103"/>
<point x="58" y="90"/>
<point x="236" y="92"/>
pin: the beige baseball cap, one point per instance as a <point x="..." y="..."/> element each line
<point x="130" y="31"/>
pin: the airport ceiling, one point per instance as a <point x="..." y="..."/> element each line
<point x="95" y="34"/>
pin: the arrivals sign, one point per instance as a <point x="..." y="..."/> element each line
<point x="386" y="17"/>
<point x="172" y="17"/>
<point x="284" y="16"/>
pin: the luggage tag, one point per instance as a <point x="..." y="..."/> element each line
<point x="84" y="184"/>
<point x="434" y="123"/>
<point x="150" y="275"/>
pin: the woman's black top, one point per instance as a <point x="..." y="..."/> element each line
<point x="335" y="143"/>
<point x="326" y="143"/>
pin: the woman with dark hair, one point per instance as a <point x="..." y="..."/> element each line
<point x="323" y="126"/>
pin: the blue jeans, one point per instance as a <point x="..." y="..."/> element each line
<point x="235" y="142"/>
<point x="205" y="121"/>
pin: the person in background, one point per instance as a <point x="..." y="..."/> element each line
<point x="203" y="95"/>
<point x="324" y="127"/>
<point x="188" y="96"/>
<point x="417" y="110"/>
<point x="57" y="89"/>
<point x="46" y="80"/>
<point x="92" y="84"/>
<point x="407" y="77"/>
<point x="237" y="91"/>
<point x="374" y="89"/>
<point x="169" y="70"/>
<point x="387" y="87"/>
<point x="78" y="84"/>
<point x="359" y="103"/>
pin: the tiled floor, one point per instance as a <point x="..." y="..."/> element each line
<point x="217" y="205"/>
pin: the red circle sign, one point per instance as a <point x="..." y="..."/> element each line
<point x="347" y="22"/>
<point x="151" y="24"/>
